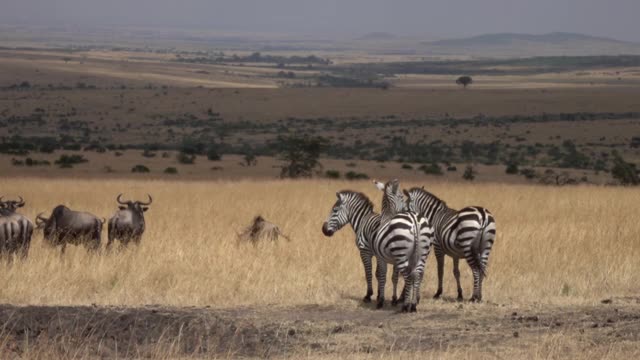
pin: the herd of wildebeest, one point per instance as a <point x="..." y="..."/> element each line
<point x="65" y="226"/>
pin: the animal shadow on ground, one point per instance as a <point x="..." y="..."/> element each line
<point x="373" y="304"/>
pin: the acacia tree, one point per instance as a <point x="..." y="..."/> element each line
<point x="301" y="155"/>
<point x="464" y="81"/>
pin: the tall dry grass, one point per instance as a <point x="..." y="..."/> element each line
<point x="554" y="245"/>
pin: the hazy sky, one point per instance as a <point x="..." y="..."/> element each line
<point x="425" y="18"/>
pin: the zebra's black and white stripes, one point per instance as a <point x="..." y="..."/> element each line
<point x="356" y="209"/>
<point x="468" y="233"/>
<point x="404" y="240"/>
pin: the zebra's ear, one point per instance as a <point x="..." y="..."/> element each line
<point x="394" y="185"/>
<point x="339" y="195"/>
<point x="406" y="193"/>
<point x="422" y="187"/>
<point x="379" y="185"/>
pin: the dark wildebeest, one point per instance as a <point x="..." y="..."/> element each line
<point x="127" y="224"/>
<point x="15" y="229"/>
<point x="66" y="226"/>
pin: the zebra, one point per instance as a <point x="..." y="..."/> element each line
<point x="356" y="209"/>
<point x="404" y="239"/>
<point x="468" y="233"/>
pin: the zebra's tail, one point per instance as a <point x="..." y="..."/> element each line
<point x="478" y="248"/>
<point x="414" y="259"/>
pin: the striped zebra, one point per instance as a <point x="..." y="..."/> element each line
<point x="356" y="209"/>
<point x="404" y="239"/>
<point x="15" y="229"/>
<point x="468" y="233"/>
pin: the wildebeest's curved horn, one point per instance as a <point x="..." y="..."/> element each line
<point x="21" y="202"/>
<point x="120" y="201"/>
<point x="147" y="203"/>
<point x="41" y="218"/>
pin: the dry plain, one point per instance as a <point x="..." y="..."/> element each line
<point x="564" y="272"/>
<point x="191" y="289"/>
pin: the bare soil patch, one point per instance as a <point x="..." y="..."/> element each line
<point x="275" y="331"/>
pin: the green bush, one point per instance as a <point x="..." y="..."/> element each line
<point x="171" y="170"/>
<point x="332" y="174"/>
<point x="431" y="169"/>
<point x="140" y="169"/>
<point x="624" y="172"/>
<point x="184" y="158"/>
<point x="512" y="169"/>
<point x="352" y="175"/>
<point x="213" y="155"/>
<point x="67" y="161"/>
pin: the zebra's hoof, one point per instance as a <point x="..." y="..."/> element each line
<point x="437" y="295"/>
<point x="367" y="299"/>
<point x="380" y="305"/>
<point x="459" y="298"/>
<point x="406" y="308"/>
<point x="394" y="301"/>
<point x="413" y="308"/>
<point x="475" y="299"/>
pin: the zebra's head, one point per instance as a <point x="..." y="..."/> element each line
<point x="339" y="215"/>
<point x="393" y="201"/>
<point x="419" y="200"/>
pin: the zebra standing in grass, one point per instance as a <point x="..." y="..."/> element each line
<point x="356" y="209"/>
<point x="404" y="240"/>
<point x="468" y="233"/>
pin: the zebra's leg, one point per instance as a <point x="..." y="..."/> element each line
<point x="456" y="274"/>
<point x="417" y="280"/>
<point x="440" y="260"/>
<point x="477" y="285"/>
<point x="381" y="276"/>
<point x="366" y="262"/>
<point x="394" y="279"/>
<point x="408" y="293"/>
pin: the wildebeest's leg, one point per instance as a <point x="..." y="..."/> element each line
<point x="110" y="235"/>
<point x="440" y="261"/>
<point x="456" y="274"/>
<point x="366" y="262"/>
<point x="381" y="276"/>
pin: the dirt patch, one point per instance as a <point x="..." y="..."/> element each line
<point x="326" y="330"/>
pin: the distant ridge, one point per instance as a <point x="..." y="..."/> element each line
<point x="519" y="45"/>
<point x="378" y="36"/>
<point x="499" y="39"/>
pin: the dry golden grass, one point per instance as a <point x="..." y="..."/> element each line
<point x="568" y="245"/>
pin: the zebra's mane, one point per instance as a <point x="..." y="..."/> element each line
<point x="427" y="194"/>
<point x="359" y="195"/>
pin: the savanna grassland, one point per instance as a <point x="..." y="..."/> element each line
<point x="198" y="121"/>
<point x="559" y="253"/>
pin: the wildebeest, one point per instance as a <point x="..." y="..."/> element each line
<point x="127" y="224"/>
<point x="66" y="226"/>
<point x="15" y="229"/>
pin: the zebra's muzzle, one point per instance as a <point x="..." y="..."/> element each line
<point x="326" y="231"/>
